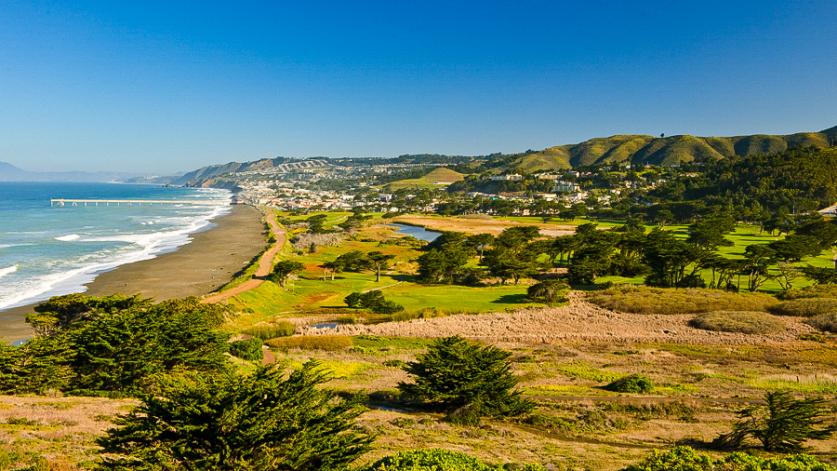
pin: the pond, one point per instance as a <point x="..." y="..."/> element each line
<point x="418" y="232"/>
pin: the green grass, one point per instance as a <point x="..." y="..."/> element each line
<point x="584" y="370"/>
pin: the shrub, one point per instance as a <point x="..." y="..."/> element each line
<point x="783" y="423"/>
<point x="650" y="300"/>
<point x="439" y="460"/>
<point x="549" y="292"/>
<point x="250" y="349"/>
<point x="745" y="322"/>
<point x="466" y="380"/>
<point x="816" y="291"/>
<point x="631" y="384"/>
<point x="270" y="331"/>
<point x="824" y="322"/>
<point x="683" y="458"/>
<point x="805" y="307"/>
<point x="312" y="342"/>
<point x="372" y="300"/>
<point x="261" y="421"/>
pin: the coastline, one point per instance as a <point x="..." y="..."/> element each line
<point x="206" y="263"/>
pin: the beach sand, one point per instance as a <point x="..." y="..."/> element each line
<point x="200" y="267"/>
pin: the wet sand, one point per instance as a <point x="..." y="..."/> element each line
<point x="200" y="267"/>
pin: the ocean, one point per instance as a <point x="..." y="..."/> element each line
<point x="47" y="251"/>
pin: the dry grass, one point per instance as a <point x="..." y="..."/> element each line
<point x="746" y="322"/>
<point x="480" y="225"/>
<point x="649" y="300"/>
<point x="816" y="291"/>
<point x="319" y="342"/>
<point x="824" y="322"/>
<point x="806" y="307"/>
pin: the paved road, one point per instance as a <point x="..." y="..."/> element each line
<point x="265" y="264"/>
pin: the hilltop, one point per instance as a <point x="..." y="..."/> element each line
<point x="634" y="148"/>
<point x="439" y="176"/>
<point x="672" y="150"/>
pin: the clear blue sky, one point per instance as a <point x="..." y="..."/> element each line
<point x="167" y="86"/>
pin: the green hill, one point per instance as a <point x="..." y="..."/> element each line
<point x="670" y="150"/>
<point x="437" y="176"/>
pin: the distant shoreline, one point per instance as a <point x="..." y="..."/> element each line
<point x="203" y="265"/>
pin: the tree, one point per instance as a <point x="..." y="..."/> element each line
<point x="445" y="259"/>
<point x="548" y="291"/>
<point x="316" y="223"/>
<point x="263" y="421"/>
<point x="118" y="350"/>
<point x="466" y="380"/>
<point x="353" y="261"/>
<point x="512" y="255"/>
<point x="708" y="233"/>
<point x="670" y="260"/>
<point x="480" y="242"/>
<point x="379" y="261"/>
<point x="373" y="300"/>
<point x="781" y="424"/>
<point x="757" y="261"/>
<point x="283" y="270"/>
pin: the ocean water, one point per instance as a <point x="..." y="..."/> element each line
<point x="47" y="251"/>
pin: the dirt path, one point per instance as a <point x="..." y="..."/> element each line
<point x="264" y="267"/>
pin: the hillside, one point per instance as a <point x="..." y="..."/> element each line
<point x="436" y="177"/>
<point x="672" y="150"/>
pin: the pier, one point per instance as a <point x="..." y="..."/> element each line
<point x="96" y="202"/>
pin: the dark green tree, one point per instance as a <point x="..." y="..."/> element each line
<point x="379" y="261"/>
<point x="783" y="423"/>
<point x="263" y="421"/>
<point x="466" y="380"/>
<point x="284" y="269"/>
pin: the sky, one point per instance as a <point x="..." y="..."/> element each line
<point x="162" y="87"/>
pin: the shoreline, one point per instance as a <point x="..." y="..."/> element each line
<point x="206" y="263"/>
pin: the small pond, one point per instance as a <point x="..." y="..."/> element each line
<point x="418" y="232"/>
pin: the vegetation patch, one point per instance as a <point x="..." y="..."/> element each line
<point x="270" y="331"/>
<point x="637" y="384"/>
<point x="826" y="290"/>
<point x="439" y="460"/>
<point x="687" y="459"/>
<point x="250" y="349"/>
<point x="313" y="342"/>
<point x="650" y="300"/>
<point x="825" y="322"/>
<point x="746" y="322"/>
<point x="806" y="307"/>
<point x="584" y="370"/>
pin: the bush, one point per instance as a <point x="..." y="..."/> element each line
<point x="372" y="300"/>
<point x="466" y="380"/>
<point x="683" y="458"/>
<point x="549" y="292"/>
<point x="631" y="384"/>
<point x="439" y="460"/>
<point x="824" y="322"/>
<point x="250" y="349"/>
<point x="312" y="342"/>
<point x="650" y="300"/>
<point x="783" y="423"/>
<point x="816" y="291"/>
<point x="271" y="331"/>
<point x="261" y="421"/>
<point x="805" y="307"/>
<point x="745" y="322"/>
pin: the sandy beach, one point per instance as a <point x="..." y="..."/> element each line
<point x="200" y="267"/>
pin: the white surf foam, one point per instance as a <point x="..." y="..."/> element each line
<point x="7" y="270"/>
<point x="139" y="247"/>
<point x="68" y="237"/>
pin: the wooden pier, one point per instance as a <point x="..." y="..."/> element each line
<point x="97" y="202"/>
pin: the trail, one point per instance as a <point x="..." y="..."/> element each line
<point x="264" y="264"/>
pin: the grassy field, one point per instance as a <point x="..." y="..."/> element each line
<point x="576" y="425"/>
<point x="310" y="295"/>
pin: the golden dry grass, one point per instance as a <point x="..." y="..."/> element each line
<point x="650" y="300"/>
<point x="746" y="322"/>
